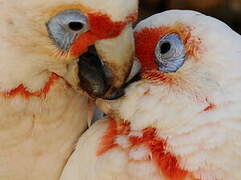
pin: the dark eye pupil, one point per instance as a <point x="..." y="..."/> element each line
<point x="76" y="26"/>
<point x="165" y="47"/>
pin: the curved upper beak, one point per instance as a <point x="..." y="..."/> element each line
<point x="105" y="67"/>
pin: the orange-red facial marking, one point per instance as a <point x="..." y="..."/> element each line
<point x="22" y="91"/>
<point x="147" y="39"/>
<point x="101" y="27"/>
<point x="158" y="78"/>
<point x="165" y="161"/>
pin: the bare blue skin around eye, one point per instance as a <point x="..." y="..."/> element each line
<point x="172" y="60"/>
<point x="59" y="31"/>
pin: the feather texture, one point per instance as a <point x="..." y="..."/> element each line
<point x="192" y="117"/>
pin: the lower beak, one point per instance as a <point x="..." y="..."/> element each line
<point x="103" y="70"/>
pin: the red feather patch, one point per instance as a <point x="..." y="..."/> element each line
<point x="166" y="162"/>
<point x="22" y="91"/>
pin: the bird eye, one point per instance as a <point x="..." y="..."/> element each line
<point x="170" y="53"/>
<point x="67" y="26"/>
<point x="76" y="26"/>
<point x="165" y="47"/>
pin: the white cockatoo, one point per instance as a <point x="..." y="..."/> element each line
<point x="49" y="50"/>
<point x="182" y="119"/>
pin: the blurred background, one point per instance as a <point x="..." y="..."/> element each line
<point x="228" y="11"/>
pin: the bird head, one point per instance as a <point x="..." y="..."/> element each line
<point x="89" y="43"/>
<point x="190" y="73"/>
<point x="189" y="92"/>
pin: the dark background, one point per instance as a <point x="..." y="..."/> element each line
<point x="228" y="11"/>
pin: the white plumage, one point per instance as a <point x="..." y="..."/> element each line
<point x="198" y="116"/>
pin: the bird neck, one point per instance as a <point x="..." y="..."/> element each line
<point x="149" y="147"/>
<point x="40" y="128"/>
<point x="23" y="91"/>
